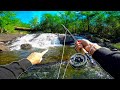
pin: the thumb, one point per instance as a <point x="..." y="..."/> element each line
<point x="87" y="48"/>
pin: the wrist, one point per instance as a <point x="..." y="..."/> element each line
<point x="31" y="61"/>
<point x="93" y="48"/>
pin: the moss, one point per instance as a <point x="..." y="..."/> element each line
<point x="116" y="45"/>
<point x="72" y="73"/>
<point x="8" y="57"/>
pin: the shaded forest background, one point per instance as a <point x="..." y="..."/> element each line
<point x="100" y="23"/>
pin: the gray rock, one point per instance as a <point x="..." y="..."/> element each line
<point x="4" y="48"/>
<point x="26" y="46"/>
<point x="97" y="40"/>
<point x="68" y="40"/>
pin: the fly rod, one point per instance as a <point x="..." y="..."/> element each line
<point x="73" y="37"/>
<point x="85" y="52"/>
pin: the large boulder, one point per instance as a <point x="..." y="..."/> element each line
<point x="96" y="40"/>
<point x="68" y="40"/>
<point x="26" y="46"/>
<point x="116" y="40"/>
<point x="8" y="37"/>
<point x="4" y="48"/>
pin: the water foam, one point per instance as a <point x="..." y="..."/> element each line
<point x="44" y="40"/>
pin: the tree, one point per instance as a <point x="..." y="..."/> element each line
<point x="6" y="18"/>
<point x="87" y="16"/>
<point x="102" y="23"/>
<point x="34" y="22"/>
<point x="8" y="21"/>
<point x="113" y="23"/>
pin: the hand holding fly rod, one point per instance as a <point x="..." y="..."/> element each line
<point x="80" y="49"/>
<point x="86" y="46"/>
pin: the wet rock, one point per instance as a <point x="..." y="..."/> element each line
<point x="97" y="40"/>
<point x="2" y="43"/>
<point x="106" y="40"/>
<point x="116" y="40"/>
<point x="115" y="49"/>
<point x="4" y="48"/>
<point x="8" y="37"/>
<point x="101" y="44"/>
<point x="26" y="46"/>
<point x="68" y="40"/>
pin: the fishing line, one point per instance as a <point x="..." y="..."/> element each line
<point x="63" y="52"/>
<point x="62" y="56"/>
<point x="65" y="69"/>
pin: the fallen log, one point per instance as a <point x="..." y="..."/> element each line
<point x="23" y="28"/>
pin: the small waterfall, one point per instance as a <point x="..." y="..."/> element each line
<point x="44" y="40"/>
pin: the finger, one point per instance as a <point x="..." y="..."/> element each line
<point x="87" y="48"/>
<point x="85" y="42"/>
<point x="77" y="49"/>
<point x="84" y="50"/>
<point x="78" y="41"/>
<point x="40" y="59"/>
<point x="79" y="45"/>
<point x="44" y="52"/>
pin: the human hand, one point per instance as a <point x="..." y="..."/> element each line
<point x="87" y="45"/>
<point x="35" y="57"/>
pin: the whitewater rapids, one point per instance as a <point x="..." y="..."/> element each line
<point x="43" y="41"/>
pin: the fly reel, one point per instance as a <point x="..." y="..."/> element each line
<point x="78" y="60"/>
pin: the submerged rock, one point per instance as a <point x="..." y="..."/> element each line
<point x="26" y="46"/>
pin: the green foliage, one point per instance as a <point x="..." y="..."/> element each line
<point x="34" y="22"/>
<point x="116" y="45"/>
<point x="8" y="22"/>
<point x="106" y="24"/>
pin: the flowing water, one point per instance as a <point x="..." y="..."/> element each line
<point x="37" y="41"/>
<point x="50" y="65"/>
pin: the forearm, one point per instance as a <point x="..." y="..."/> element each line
<point x="13" y="70"/>
<point x="109" y="60"/>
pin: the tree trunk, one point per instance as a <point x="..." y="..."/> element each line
<point x="88" y="23"/>
<point x="22" y="28"/>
